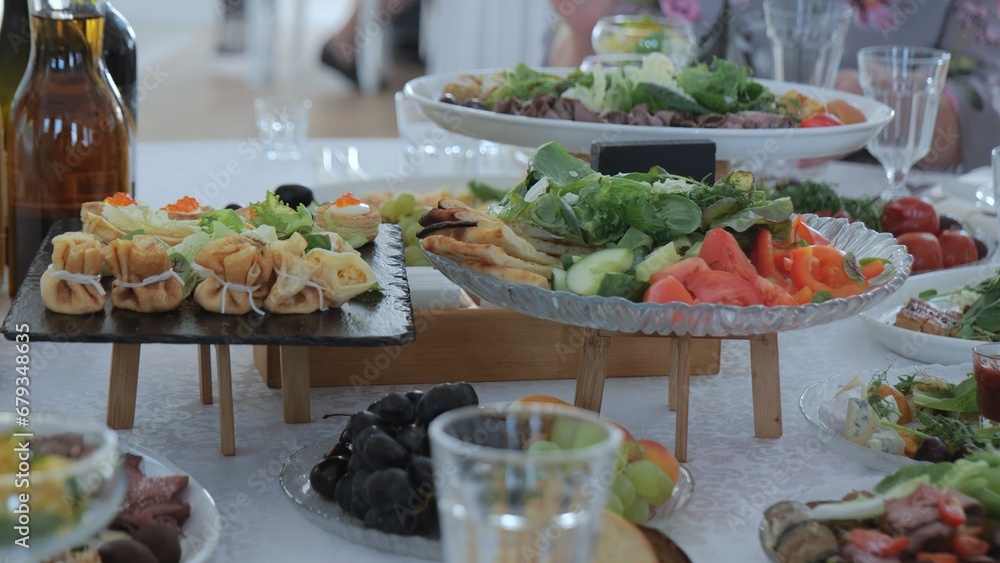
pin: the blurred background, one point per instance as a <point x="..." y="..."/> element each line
<point x="202" y="62"/>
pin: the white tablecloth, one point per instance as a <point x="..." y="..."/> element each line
<point x="736" y="475"/>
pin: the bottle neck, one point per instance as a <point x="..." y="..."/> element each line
<point x="59" y="44"/>
<point x="68" y="9"/>
<point x="15" y="8"/>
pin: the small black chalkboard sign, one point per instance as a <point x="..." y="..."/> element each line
<point x="692" y="159"/>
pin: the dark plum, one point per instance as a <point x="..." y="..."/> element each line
<point x="948" y="222"/>
<point x="324" y="475"/>
<point x="161" y="540"/>
<point x="964" y="450"/>
<point x="469" y="396"/>
<point x="394" y="409"/>
<point x="126" y="551"/>
<point x="426" y="521"/>
<point x="439" y="399"/>
<point x="932" y="449"/>
<point x="981" y="249"/>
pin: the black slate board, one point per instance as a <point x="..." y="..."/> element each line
<point x="381" y="321"/>
<point x="691" y="159"/>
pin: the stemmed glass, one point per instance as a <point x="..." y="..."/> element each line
<point x="910" y="81"/>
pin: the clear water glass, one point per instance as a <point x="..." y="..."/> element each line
<point x="282" y="125"/>
<point x="910" y="81"/>
<point x="502" y="499"/>
<point x="807" y="39"/>
<point x="429" y="148"/>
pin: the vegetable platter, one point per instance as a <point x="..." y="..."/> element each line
<point x="577" y="136"/>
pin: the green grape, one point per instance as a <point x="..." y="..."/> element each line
<point x="405" y="222"/>
<point x="637" y="512"/>
<point x="614" y="504"/>
<point x="563" y="432"/>
<point x="621" y="460"/>
<point x="410" y="234"/>
<point x="389" y="211"/>
<point x="405" y="202"/>
<point x="542" y="446"/>
<point x="414" y="255"/>
<point x="588" y="435"/>
<point x="651" y="483"/>
<point x="419" y="210"/>
<point x="623" y="489"/>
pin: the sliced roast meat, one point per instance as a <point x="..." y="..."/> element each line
<point x="763" y="120"/>
<point x="583" y="113"/>
<point x="508" y="105"/>
<point x="172" y="513"/>
<point x="539" y="106"/>
<point x="904" y="515"/>
<point x="562" y="108"/>
<point x="936" y="536"/>
<point x="615" y="117"/>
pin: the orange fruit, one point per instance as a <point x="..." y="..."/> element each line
<point x="542" y="399"/>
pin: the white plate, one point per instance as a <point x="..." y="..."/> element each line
<point x="201" y="531"/>
<point x="975" y="187"/>
<point x="412" y="184"/>
<point x="919" y="346"/>
<point x="819" y="393"/>
<point x="731" y="144"/>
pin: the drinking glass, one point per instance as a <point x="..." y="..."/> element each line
<point x="996" y="196"/>
<point x="910" y="81"/>
<point x="506" y="492"/>
<point x="807" y="39"/>
<point x="282" y="125"/>
<point x="673" y="37"/>
<point x="986" y="368"/>
<point x="429" y="148"/>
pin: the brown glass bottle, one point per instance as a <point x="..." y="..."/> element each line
<point x="67" y="137"/>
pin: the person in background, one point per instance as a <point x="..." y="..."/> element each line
<point x="340" y="52"/>
<point x="968" y="120"/>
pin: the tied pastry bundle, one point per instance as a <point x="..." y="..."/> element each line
<point x="237" y="273"/>
<point x="315" y="279"/>
<point x="72" y="283"/>
<point x="144" y="279"/>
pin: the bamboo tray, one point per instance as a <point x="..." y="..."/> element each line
<point x="479" y="344"/>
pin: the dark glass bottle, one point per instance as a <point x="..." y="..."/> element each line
<point x="68" y="136"/>
<point x="15" y="46"/>
<point x="120" y="58"/>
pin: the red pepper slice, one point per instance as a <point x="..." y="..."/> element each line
<point x="802" y="270"/>
<point x="762" y="256"/>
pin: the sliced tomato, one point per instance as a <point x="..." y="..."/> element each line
<point x="801" y="231"/>
<point x="723" y="288"/>
<point x="937" y="558"/>
<point x="667" y="289"/>
<point x="721" y="252"/>
<point x="763" y="253"/>
<point x="950" y="510"/>
<point x="771" y="294"/>
<point x="681" y="270"/>
<point x="877" y="543"/>
<point x="821" y="119"/>
<point x="782" y="261"/>
<point x="969" y="547"/>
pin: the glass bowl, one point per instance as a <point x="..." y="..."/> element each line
<point x="620" y="315"/>
<point x="646" y="34"/>
<point x="69" y="500"/>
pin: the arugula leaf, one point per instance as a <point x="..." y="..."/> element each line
<point x="226" y="217"/>
<point x="724" y="87"/>
<point x="132" y="235"/>
<point x="821" y="296"/>
<point x="659" y="97"/>
<point x="283" y="218"/>
<point x="962" y="398"/>
<point x="552" y="161"/>
<point x="485" y="192"/>
<point x="316" y="240"/>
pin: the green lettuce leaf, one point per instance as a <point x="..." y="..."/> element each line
<point x="962" y="398"/>
<point x="283" y="218"/>
<point x="226" y="217"/>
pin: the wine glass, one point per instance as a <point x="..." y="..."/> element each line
<point x="910" y="81"/>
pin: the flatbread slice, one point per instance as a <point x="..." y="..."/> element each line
<point x="506" y="273"/>
<point x="500" y="236"/>
<point x="463" y="251"/>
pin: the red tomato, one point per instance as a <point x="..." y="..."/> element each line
<point x="957" y="248"/>
<point x="721" y="252"/>
<point x="970" y="547"/>
<point x="723" y="288"/>
<point x="771" y="294"/>
<point x="910" y="215"/>
<point x="665" y="290"/>
<point x="763" y="253"/>
<point x="923" y="557"/>
<point x="925" y="249"/>
<point x="877" y="543"/>
<point x="681" y="270"/>
<point x="951" y="510"/>
<point x="801" y="231"/>
<point x="820" y="119"/>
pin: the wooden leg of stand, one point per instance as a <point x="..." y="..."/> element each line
<point x="295" y="384"/>
<point x="205" y="373"/>
<point x="681" y="371"/>
<point x="227" y="425"/>
<point x="766" y="386"/>
<point x="672" y="385"/>
<point x="592" y="370"/>
<point x="122" y="386"/>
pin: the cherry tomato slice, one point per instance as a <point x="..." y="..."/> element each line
<point x="968" y="547"/>
<point x="681" y="270"/>
<point x="937" y="558"/>
<point x="801" y="231"/>
<point x="877" y="543"/>
<point x="721" y="252"/>
<point x="667" y="289"/>
<point x="820" y="119"/>
<point x="951" y="510"/>
<point x="763" y="253"/>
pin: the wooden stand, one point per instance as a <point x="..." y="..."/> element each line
<point x="124" y="380"/>
<point x="766" y="384"/>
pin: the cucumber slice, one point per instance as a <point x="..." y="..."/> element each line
<point x="623" y="285"/>
<point x="584" y="277"/>
<point x="635" y="239"/>
<point x="568" y="260"/>
<point x="656" y="261"/>
<point x="639" y="254"/>
<point x="694" y="250"/>
<point x="559" y="280"/>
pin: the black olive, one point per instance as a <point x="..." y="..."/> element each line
<point x="475" y="103"/>
<point x="293" y="195"/>
<point x="126" y="551"/>
<point x="161" y="540"/>
<point x="234" y="206"/>
<point x="932" y="449"/>
<point x="449" y="99"/>
<point x="981" y="248"/>
<point x="964" y="450"/>
<point x="949" y="223"/>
